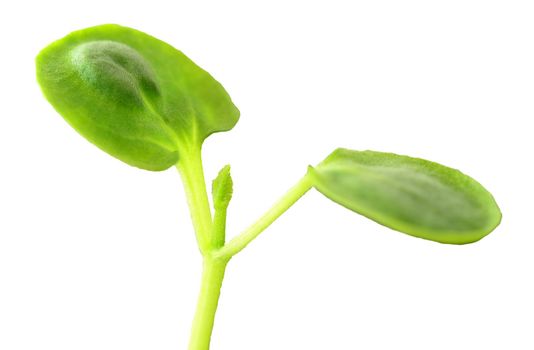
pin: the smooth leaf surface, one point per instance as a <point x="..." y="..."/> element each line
<point x="132" y="95"/>
<point x="411" y="195"/>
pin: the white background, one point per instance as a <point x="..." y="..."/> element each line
<point x="95" y="254"/>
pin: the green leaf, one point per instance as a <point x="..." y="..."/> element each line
<point x="411" y="195"/>
<point x="222" y="189"/>
<point x="132" y="95"/>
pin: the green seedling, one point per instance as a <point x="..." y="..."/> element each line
<point x="147" y="104"/>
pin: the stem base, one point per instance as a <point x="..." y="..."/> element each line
<point x="212" y="278"/>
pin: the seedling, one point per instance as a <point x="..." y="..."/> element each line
<point x="147" y="104"/>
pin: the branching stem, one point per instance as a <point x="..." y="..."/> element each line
<point x="242" y="240"/>
<point x="210" y="238"/>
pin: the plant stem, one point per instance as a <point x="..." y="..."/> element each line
<point x="219" y="227"/>
<point x="242" y="240"/>
<point x="212" y="278"/>
<point x="210" y="238"/>
<point x="192" y="172"/>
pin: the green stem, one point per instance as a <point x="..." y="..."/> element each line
<point x="242" y="240"/>
<point x="192" y="172"/>
<point x="219" y="227"/>
<point x="212" y="279"/>
<point x="210" y="237"/>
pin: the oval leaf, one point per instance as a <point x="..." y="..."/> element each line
<point x="411" y="195"/>
<point x="132" y="95"/>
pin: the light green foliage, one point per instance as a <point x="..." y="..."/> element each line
<point x="132" y="95"/>
<point x="147" y="104"/>
<point x="222" y="189"/>
<point x="411" y="195"/>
